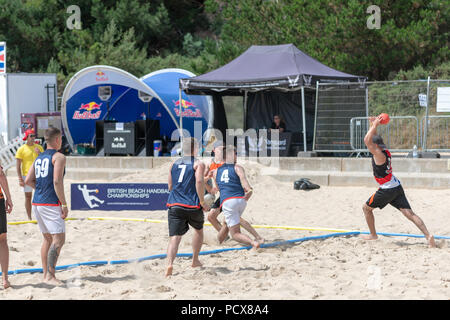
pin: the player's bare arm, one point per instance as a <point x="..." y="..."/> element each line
<point x="377" y="153"/>
<point x="208" y="173"/>
<point x="244" y="182"/>
<point x="59" y="162"/>
<point x="199" y="168"/>
<point x="5" y="187"/>
<point x="169" y="182"/>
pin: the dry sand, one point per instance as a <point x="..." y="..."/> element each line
<point x="336" y="268"/>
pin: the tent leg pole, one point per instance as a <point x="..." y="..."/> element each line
<point x="181" y="121"/>
<point x="303" y="117"/>
<point x="245" y="109"/>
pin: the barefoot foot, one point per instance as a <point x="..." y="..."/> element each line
<point x="256" y="245"/>
<point x="54" y="282"/>
<point x="6" y="284"/>
<point x="196" y="263"/>
<point x="169" y="271"/>
<point x="369" y="237"/>
<point x="431" y="241"/>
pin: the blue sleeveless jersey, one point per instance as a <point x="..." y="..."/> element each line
<point x="229" y="183"/>
<point x="183" y="192"/>
<point x="45" y="194"/>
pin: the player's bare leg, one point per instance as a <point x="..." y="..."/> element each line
<point x="172" y="250"/>
<point x="223" y="233"/>
<point x="197" y="241"/>
<point x="247" y="226"/>
<point x="370" y="219"/>
<point x="44" y="253"/>
<point x="408" y="213"/>
<point x="212" y="218"/>
<point x="4" y="253"/>
<point x="236" y="234"/>
<point x="53" y="254"/>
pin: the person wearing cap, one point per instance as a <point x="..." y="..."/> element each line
<point x="25" y="157"/>
<point x="390" y="190"/>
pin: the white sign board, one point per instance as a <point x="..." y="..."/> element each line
<point x="443" y="99"/>
<point x="422" y="99"/>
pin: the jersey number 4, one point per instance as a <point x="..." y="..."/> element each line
<point x="224" y="177"/>
<point x="41" y="168"/>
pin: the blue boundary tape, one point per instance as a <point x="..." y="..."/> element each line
<point x="404" y="235"/>
<point x="162" y="256"/>
<point x="265" y="245"/>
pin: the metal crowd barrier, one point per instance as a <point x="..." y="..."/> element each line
<point x="397" y="134"/>
<point x="438" y="135"/>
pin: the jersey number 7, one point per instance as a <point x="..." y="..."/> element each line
<point x="183" y="170"/>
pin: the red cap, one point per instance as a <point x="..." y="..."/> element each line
<point x="27" y="133"/>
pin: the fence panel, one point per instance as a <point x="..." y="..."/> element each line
<point x="438" y="137"/>
<point x="335" y="106"/>
<point x="397" y="134"/>
<point x="338" y="105"/>
<point x="435" y="133"/>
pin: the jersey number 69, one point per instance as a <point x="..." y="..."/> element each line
<point x="41" y="168"/>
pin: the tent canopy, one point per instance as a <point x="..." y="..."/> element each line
<point x="280" y="67"/>
<point x="196" y="110"/>
<point x="81" y="105"/>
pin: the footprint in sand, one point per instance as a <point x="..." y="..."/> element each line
<point x="164" y="289"/>
<point x="442" y="244"/>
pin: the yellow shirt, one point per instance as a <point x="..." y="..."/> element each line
<point x="27" y="154"/>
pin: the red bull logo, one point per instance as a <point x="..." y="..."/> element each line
<point x="184" y="103"/>
<point x="86" y="111"/>
<point x="101" y="76"/>
<point x="188" y="113"/>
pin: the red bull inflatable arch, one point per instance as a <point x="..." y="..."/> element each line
<point x="111" y="94"/>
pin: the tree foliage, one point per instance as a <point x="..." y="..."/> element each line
<point x="336" y="32"/>
<point x="141" y="36"/>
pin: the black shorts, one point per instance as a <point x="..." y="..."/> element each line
<point x="180" y="218"/>
<point x="3" y="224"/>
<point x="393" y="196"/>
<point x="216" y="204"/>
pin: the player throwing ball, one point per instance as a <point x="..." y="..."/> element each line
<point x="234" y="193"/>
<point x="390" y="190"/>
<point x="186" y="200"/>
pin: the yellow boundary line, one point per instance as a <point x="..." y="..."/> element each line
<point x="206" y="224"/>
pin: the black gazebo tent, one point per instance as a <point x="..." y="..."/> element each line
<point x="266" y="69"/>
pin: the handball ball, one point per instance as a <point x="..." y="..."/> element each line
<point x="96" y="190"/>
<point x="209" y="199"/>
<point x="384" y="118"/>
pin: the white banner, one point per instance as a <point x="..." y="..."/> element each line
<point x="443" y="99"/>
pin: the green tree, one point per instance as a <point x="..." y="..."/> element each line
<point x="336" y="32"/>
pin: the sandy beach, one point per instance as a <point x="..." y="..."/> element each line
<point x="335" y="268"/>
